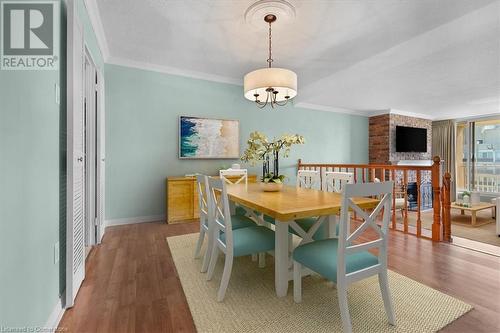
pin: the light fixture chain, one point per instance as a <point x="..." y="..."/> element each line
<point x="270" y="59"/>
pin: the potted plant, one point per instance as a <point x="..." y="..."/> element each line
<point x="259" y="148"/>
<point x="466" y="198"/>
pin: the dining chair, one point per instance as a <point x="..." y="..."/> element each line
<point x="310" y="179"/>
<point x="233" y="177"/>
<point x="232" y="242"/>
<point x="206" y="223"/>
<point x="335" y="181"/>
<point x="201" y="190"/>
<point x="399" y="199"/>
<point x="341" y="260"/>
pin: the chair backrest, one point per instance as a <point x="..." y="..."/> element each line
<point x="202" y="190"/>
<point x="237" y="175"/>
<point x="310" y="179"/>
<point x="383" y="191"/>
<point x="335" y="181"/>
<point x="219" y="212"/>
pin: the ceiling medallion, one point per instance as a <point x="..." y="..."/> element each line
<point x="269" y="86"/>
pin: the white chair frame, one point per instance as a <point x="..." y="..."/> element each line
<point x="205" y="223"/>
<point x="335" y="181"/>
<point x="346" y="247"/>
<point x="310" y="179"/>
<point x="220" y="215"/>
<point x="241" y="173"/>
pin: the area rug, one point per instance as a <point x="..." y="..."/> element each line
<point x="251" y="304"/>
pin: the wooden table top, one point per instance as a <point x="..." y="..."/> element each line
<point x="479" y="206"/>
<point x="292" y="202"/>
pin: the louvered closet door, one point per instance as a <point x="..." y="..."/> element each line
<point x="101" y="156"/>
<point x="75" y="243"/>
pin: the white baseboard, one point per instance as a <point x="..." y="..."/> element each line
<point x="133" y="220"/>
<point x="55" y="317"/>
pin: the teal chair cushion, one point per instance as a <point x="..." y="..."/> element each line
<point x="307" y="223"/>
<point x="241" y="221"/>
<point x="240" y="210"/>
<point x="321" y="257"/>
<point x="269" y="219"/>
<point x="251" y="240"/>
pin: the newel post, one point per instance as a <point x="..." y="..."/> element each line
<point x="446" y="207"/>
<point x="299" y="164"/>
<point x="436" y="205"/>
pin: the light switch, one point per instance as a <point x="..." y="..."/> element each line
<point x="58" y="94"/>
<point x="56" y="253"/>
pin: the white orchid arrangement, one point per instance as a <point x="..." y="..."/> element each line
<point x="259" y="148"/>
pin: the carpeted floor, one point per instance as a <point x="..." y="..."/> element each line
<point x="251" y="304"/>
<point x="461" y="226"/>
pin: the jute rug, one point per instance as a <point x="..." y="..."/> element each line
<point x="251" y="304"/>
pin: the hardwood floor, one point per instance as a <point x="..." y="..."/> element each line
<point x="131" y="284"/>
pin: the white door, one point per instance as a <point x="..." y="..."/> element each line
<point x="90" y="153"/>
<point x="101" y="156"/>
<point x="75" y="228"/>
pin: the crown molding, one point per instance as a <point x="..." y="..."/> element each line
<point x="401" y="113"/>
<point x="330" y="109"/>
<point x="173" y="71"/>
<point x="95" y="20"/>
<point x="412" y="114"/>
<point x="378" y="112"/>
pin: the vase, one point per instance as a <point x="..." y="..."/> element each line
<point x="271" y="187"/>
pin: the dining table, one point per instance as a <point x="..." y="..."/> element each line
<point x="285" y="207"/>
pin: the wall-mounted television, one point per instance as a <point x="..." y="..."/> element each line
<point x="411" y="139"/>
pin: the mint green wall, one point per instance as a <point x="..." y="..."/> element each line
<point x="29" y="194"/>
<point x="32" y="182"/>
<point x="142" y="109"/>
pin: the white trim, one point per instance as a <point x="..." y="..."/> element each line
<point x="95" y="20"/>
<point x="412" y="114"/>
<point x="379" y="112"/>
<point x="174" y="71"/>
<point x="330" y="109"/>
<point x="55" y="317"/>
<point x="133" y="220"/>
<point x="401" y="113"/>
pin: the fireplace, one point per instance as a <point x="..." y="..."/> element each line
<point x="425" y="196"/>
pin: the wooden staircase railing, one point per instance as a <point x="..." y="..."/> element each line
<point x="441" y="225"/>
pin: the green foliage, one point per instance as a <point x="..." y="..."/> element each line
<point x="271" y="178"/>
<point x="258" y="146"/>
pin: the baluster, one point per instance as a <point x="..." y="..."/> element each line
<point x="436" y="204"/>
<point x="419" y="221"/>
<point x="355" y="176"/>
<point x="393" y="176"/>
<point x="446" y="207"/>
<point x="363" y="170"/>
<point x="373" y="174"/>
<point x="405" y="192"/>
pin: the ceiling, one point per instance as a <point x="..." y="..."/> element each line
<point x="434" y="58"/>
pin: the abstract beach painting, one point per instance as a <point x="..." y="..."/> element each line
<point x="208" y="138"/>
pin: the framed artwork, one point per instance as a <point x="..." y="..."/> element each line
<point x="204" y="138"/>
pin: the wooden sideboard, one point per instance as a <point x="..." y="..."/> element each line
<point x="182" y="199"/>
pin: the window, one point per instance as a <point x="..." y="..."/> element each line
<point x="478" y="156"/>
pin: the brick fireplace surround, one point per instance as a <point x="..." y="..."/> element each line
<point x="382" y="138"/>
<point x="382" y="143"/>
